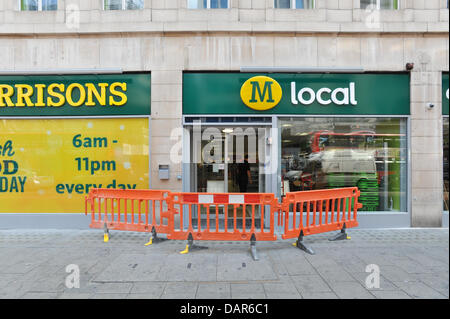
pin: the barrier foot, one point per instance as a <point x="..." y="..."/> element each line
<point x="300" y="244"/>
<point x="154" y="238"/>
<point x="105" y="233"/>
<point x="340" y="236"/>
<point x="253" y="248"/>
<point x="190" y="245"/>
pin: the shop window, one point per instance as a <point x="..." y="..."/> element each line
<point x="38" y="5"/>
<point x="369" y="153"/>
<point x="123" y="4"/>
<point x="294" y="4"/>
<point x="208" y="4"/>
<point x="446" y="155"/>
<point x="380" y="4"/>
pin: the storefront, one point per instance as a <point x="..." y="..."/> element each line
<point x="445" y="130"/>
<point x="301" y="132"/>
<point x="65" y="134"/>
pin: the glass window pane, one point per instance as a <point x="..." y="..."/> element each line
<point x="304" y="4"/>
<point x="369" y="153"/>
<point x="134" y="4"/>
<point x="113" y="4"/>
<point x="197" y="4"/>
<point x="224" y="4"/>
<point x="49" y="5"/>
<point x="214" y="4"/>
<point x="219" y="4"/>
<point x="29" y="5"/>
<point x="282" y="4"/>
<point x="446" y="156"/>
<point x="382" y="4"/>
<point x="386" y="4"/>
<point x="364" y="4"/>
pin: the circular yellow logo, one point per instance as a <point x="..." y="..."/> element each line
<point x="261" y="93"/>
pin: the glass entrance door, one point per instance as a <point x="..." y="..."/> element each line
<point x="228" y="159"/>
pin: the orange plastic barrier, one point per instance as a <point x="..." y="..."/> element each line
<point x="240" y="217"/>
<point x="130" y="210"/>
<point x="215" y="207"/>
<point x="224" y="216"/>
<point x="319" y="211"/>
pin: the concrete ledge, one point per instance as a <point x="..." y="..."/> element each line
<point x="445" y="219"/>
<point x="366" y="220"/>
<point x="44" y="221"/>
<point x="383" y="220"/>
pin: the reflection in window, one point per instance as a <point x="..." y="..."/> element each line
<point x="208" y="4"/>
<point x="380" y="4"/>
<point x="38" y="5"/>
<point x="294" y="4"/>
<point x="446" y="155"/>
<point x="123" y="4"/>
<point x="369" y="153"/>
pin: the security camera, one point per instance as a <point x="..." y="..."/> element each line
<point x="409" y="66"/>
<point x="430" y="106"/>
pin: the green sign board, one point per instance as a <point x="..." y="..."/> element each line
<point x="75" y="95"/>
<point x="280" y="93"/>
<point x="445" y="93"/>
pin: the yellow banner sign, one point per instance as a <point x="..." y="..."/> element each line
<point x="48" y="166"/>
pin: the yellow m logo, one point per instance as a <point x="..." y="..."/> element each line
<point x="261" y="93"/>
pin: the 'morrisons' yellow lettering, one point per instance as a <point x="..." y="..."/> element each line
<point x="92" y="90"/>
<point x="69" y="92"/>
<point x="6" y="91"/>
<point x="59" y="96"/>
<point x="113" y="91"/>
<point x="40" y="95"/>
<point x="21" y="95"/>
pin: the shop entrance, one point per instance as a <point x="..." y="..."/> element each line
<point x="229" y="159"/>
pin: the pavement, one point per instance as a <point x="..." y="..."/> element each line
<point x="374" y="263"/>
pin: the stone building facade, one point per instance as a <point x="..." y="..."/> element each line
<point x="167" y="39"/>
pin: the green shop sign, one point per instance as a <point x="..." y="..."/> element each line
<point x="279" y="93"/>
<point x="75" y="95"/>
<point x="445" y="93"/>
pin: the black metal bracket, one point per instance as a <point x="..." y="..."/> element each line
<point x="105" y="233"/>
<point x="341" y="235"/>
<point x="154" y="237"/>
<point x="253" y="248"/>
<point x="300" y="244"/>
<point x="191" y="246"/>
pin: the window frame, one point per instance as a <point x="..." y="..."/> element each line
<point x="293" y="5"/>
<point x="123" y="6"/>
<point x="39" y="6"/>
<point x="208" y="6"/>
<point x="378" y="5"/>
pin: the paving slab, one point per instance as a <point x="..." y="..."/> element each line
<point x="413" y="263"/>
<point x="191" y="267"/>
<point x="133" y="267"/>
<point x="350" y="290"/>
<point x="240" y="266"/>
<point x="213" y="291"/>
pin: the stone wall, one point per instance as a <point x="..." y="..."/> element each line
<point x="166" y="39"/>
<point x="242" y="16"/>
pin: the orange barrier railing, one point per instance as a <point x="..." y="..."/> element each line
<point x="224" y="216"/>
<point x="218" y="216"/>
<point x="129" y="210"/>
<point x="319" y="211"/>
